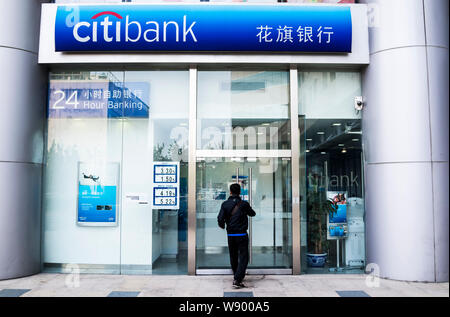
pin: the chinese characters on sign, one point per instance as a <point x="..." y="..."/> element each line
<point x="85" y="99"/>
<point x="304" y="34"/>
<point x="166" y="185"/>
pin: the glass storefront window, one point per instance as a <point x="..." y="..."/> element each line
<point x="241" y="116"/>
<point x="162" y="137"/>
<point x="332" y="211"/>
<point x="105" y="131"/>
<point x="269" y="181"/>
<point x="243" y="110"/>
<point x="81" y="142"/>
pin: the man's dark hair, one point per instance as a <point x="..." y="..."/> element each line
<point x="235" y="189"/>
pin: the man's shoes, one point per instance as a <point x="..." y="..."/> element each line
<point x="237" y="284"/>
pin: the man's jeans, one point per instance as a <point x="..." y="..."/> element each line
<point x="238" y="247"/>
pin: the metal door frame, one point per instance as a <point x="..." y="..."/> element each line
<point x="194" y="154"/>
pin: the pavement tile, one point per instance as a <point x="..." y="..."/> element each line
<point x="11" y="292"/>
<point x="101" y="285"/>
<point x="238" y="294"/>
<point x="352" y="294"/>
<point x="123" y="294"/>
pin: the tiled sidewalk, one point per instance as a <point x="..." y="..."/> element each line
<point x="49" y="284"/>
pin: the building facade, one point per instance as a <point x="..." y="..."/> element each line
<point x="125" y="122"/>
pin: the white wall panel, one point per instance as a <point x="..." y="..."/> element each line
<point x="438" y="73"/>
<point x="23" y="91"/>
<point x="441" y="213"/>
<point x="396" y="116"/>
<point x="20" y="219"/>
<point x="397" y="23"/>
<point x="436" y="22"/>
<point x="19" y="22"/>
<point x="399" y="217"/>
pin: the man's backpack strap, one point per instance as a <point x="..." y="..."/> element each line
<point x="235" y="209"/>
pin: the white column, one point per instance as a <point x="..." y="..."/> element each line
<point x="22" y="117"/>
<point x="405" y="124"/>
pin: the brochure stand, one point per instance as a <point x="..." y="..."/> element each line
<point x="337" y="228"/>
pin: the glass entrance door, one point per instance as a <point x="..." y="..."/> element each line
<point x="266" y="184"/>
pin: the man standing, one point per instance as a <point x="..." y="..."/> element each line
<point x="233" y="213"/>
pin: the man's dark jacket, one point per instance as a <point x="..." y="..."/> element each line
<point x="238" y="223"/>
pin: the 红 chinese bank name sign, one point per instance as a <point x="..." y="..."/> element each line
<point x="243" y="28"/>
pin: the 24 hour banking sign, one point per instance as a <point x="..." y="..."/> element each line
<point x="249" y="28"/>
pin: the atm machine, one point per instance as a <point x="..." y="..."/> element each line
<point x="354" y="245"/>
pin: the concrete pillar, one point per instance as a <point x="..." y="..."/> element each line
<point x="405" y="124"/>
<point x="22" y="119"/>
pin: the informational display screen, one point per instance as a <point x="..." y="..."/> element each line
<point x="166" y="185"/>
<point x="97" y="194"/>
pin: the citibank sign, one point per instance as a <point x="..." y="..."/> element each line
<point x="151" y="34"/>
<point x="244" y="28"/>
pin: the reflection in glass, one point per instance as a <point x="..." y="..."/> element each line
<point x="243" y="110"/>
<point x="156" y="238"/>
<point x="332" y="215"/>
<point x="76" y="133"/>
<point x="271" y="199"/>
<point x="129" y="119"/>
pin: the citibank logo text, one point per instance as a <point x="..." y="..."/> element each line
<point x="134" y="31"/>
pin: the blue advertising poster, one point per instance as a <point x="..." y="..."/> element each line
<point x="337" y="222"/>
<point x="97" y="203"/>
<point x="97" y="194"/>
<point x="340" y="216"/>
<point x="244" y="28"/>
<point x="104" y="99"/>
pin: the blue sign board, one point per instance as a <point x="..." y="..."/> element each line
<point x="97" y="203"/>
<point x="243" y="28"/>
<point x="87" y="99"/>
<point x="165" y="173"/>
<point x="165" y="196"/>
<point x="166" y="185"/>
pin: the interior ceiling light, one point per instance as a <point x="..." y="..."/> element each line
<point x="337" y="124"/>
<point x="354" y="132"/>
<point x="341" y="144"/>
<point x="355" y="140"/>
<point x="323" y="152"/>
<point x="344" y="151"/>
<point x="320" y="133"/>
<point x="309" y="140"/>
